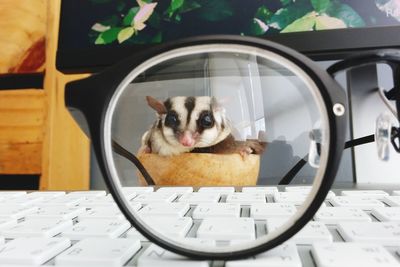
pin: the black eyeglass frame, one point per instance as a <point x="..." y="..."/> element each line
<point x="391" y="57"/>
<point x="88" y="99"/>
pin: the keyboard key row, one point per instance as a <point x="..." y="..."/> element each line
<point x="88" y="252"/>
<point x="117" y="252"/>
<point x="36" y="228"/>
<point x="250" y="195"/>
<point x="258" y="211"/>
<point x="215" y="228"/>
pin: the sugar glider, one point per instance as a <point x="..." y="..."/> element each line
<point x="193" y="124"/>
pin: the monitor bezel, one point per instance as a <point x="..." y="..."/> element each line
<point x="318" y="45"/>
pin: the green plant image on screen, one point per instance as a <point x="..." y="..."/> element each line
<point x="147" y="21"/>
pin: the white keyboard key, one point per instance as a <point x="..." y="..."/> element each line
<point x="393" y="201"/>
<point x="227" y="229"/>
<point x="91" y="193"/>
<point x="170" y="226"/>
<point x="295" y="198"/>
<point x="25" y="200"/>
<point x="207" y="210"/>
<point x="285" y="255"/>
<point x="267" y="190"/>
<point x="155" y="197"/>
<point x="246" y="198"/>
<point x="99" y="252"/>
<point x="56" y="212"/>
<point x="387" y="214"/>
<point x="193" y="241"/>
<point x="223" y="190"/>
<point x="48" y="227"/>
<point x="377" y="194"/>
<point x="7" y="222"/>
<point x="129" y="195"/>
<point x="102" y="213"/>
<point x="304" y="188"/>
<point x="362" y="202"/>
<point x="330" y="195"/>
<point x="385" y="233"/>
<point x="67" y="200"/>
<point x="138" y="190"/>
<point x="263" y="211"/>
<point x="334" y="215"/>
<point x="16" y="211"/>
<point x="47" y="195"/>
<point x="155" y="256"/>
<point x="396" y="193"/>
<point x="133" y="233"/>
<point x="275" y="222"/>
<point x="200" y="197"/>
<point x="11" y="194"/>
<point x="32" y="251"/>
<point x="134" y="205"/>
<point x="307" y="190"/>
<point x="165" y="209"/>
<point x="179" y="190"/>
<point x="102" y="201"/>
<point x="111" y="228"/>
<point x="352" y="254"/>
<point x="312" y="232"/>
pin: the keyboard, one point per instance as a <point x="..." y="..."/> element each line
<point x="85" y="228"/>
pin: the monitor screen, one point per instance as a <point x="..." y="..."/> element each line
<point x="97" y="33"/>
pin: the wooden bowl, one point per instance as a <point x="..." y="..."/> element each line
<point x="201" y="169"/>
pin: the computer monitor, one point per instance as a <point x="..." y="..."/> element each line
<point x="97" y="33"/>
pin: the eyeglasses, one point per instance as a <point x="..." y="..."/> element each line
<point x="387" y="133"/>
<point x="207" y="116"/>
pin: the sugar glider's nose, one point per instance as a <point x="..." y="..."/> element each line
<point x="187" y="139"/>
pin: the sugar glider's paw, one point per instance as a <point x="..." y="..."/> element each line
<point x="256" y="146"/>
<point x="244" y="151"/>
<point x="251" y="147"/>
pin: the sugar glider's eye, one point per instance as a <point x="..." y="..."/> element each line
<point x="206" y="120"/>
<point x="171" y="120"/>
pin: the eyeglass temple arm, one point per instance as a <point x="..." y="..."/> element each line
<point x="391" y="58"/>
<point x="394" y="95"/>
<point x="289" y="176"/>
<point x="117" y="148"/>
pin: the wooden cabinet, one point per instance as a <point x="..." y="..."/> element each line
<point x="37" y="134"/>
<point x="22" y="120"/>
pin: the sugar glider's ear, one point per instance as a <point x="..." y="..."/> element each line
<point x="156" y="105"/>
<point x="217" y="105"/>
